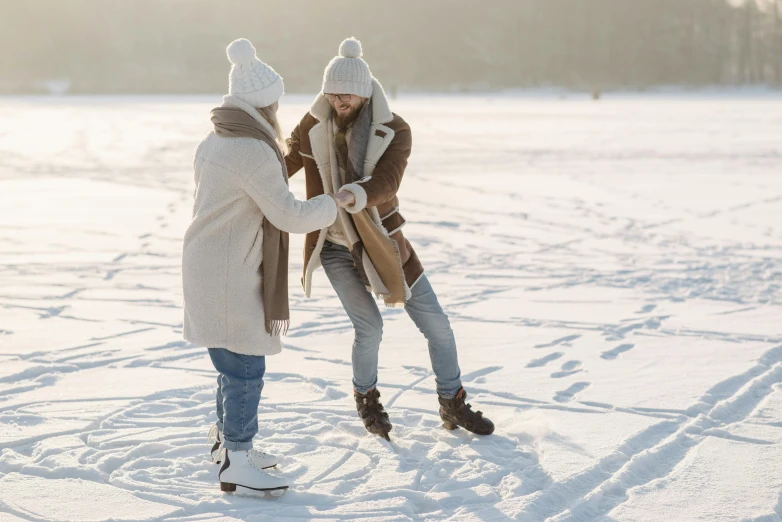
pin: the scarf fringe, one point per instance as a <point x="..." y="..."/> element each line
<point x="277" y="327"/>
<point x="394" y="305"/>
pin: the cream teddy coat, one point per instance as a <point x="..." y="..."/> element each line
<point x="238" y="181"/>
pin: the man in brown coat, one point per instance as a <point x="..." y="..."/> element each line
<point x="350" y="143"/>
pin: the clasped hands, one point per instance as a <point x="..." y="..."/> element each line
<point x="344" y="199"/>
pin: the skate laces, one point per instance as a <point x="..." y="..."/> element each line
<point x="219" y="456"/>
<point x="254" y="463"/>
<point x="214" y="434"/>
<point x="254" y="454"/>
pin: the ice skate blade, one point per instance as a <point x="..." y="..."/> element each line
<point x="381" y="434"/>
<point x="250" y="492"/>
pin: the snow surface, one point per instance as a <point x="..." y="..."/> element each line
<point x="613" y="272"/>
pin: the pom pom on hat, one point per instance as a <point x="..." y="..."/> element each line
<point x="348" y="73"/>
<point x="350" y="48"/>
<point x="251" y="80"/>
<point x="240" y="51"/>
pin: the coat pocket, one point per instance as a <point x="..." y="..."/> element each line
<point x="393" y="222"/>
<point x="379" y="141"/>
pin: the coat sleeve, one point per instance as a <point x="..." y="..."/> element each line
<point x="293" y="159"/>
<point x="268" y="189"/>
<point x="384" y="183"/>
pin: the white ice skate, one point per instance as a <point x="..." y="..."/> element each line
<point x="239" y="474"/>
<point x="262" y="459"/>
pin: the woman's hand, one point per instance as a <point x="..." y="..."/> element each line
<point x="345" y="199"/>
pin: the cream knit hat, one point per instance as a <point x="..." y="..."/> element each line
<point x="348" y="73"/>
<point x="251" y="80"/>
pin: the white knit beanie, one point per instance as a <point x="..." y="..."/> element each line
<point x="251" y="80"/>
<point x="348" y="73"/>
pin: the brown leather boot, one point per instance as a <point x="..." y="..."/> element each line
<point x="372" y="414"/>
<point x="455" y="412"/>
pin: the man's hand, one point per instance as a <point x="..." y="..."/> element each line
<point x="345" y="199"/>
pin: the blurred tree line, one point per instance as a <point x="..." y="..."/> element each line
<point x="178" y="46"/>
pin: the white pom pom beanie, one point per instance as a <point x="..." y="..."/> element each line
<point x="348" y="73"/>
<point x="251" y="80"/>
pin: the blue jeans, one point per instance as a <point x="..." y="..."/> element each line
<point x="361" y="307"/>
<point x="239" y="386"/>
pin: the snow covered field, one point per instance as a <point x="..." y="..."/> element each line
<point x="613" y="272"/>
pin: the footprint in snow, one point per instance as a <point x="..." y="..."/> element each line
<point x="537" y="363"/>
<point x="569" y="368"/>
<point x="570" y="393"/>
<point x="610" y="355"/>
<point x="555" y="342"/>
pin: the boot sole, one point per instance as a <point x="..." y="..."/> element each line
<point x="383" y="434"/>
<point x="451" y="426"/>
<point x="374" y="430"/>
<point x="228" y="487"/>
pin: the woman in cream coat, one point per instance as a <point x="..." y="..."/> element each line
<point x="241" y="196"/>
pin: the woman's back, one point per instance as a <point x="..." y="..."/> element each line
<point x="239" y="182"/>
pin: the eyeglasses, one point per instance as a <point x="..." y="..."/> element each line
<point x="340" y="97"/>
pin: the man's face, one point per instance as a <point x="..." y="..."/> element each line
<point x="346" y="106"/>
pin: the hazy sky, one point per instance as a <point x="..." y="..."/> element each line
<point x="179" y="45"/>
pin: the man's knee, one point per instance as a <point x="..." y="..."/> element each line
<point x="435" y="327"/>
<point x="369" y="332"/>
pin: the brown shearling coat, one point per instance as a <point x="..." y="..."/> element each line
<point x="388" y="150"/>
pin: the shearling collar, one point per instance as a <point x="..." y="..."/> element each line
<point x="381" y="112"/>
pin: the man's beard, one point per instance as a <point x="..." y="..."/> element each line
<point x="347" y="119"/>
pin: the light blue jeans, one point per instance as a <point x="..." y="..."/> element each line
<point x="361" y="307"/>
<point x="239" y="386"/>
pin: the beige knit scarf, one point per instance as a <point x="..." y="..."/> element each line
<point x="236" y="123"/>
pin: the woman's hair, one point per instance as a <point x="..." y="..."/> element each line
<point x="269" y="114"/>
